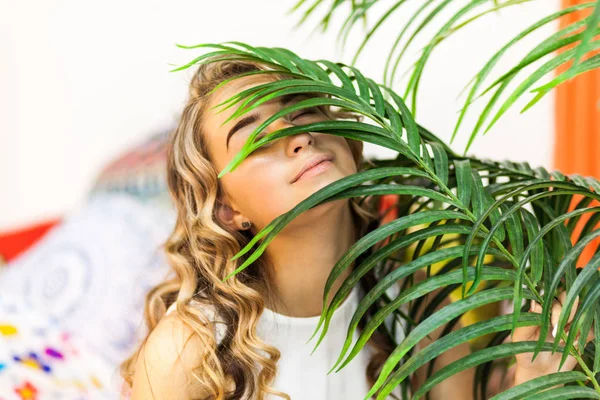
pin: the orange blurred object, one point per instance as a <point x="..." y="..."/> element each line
<point x="577" y="144"/>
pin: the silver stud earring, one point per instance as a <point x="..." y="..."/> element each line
<point x="246" y="224"/>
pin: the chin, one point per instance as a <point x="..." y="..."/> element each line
<point x="316" y="213"/>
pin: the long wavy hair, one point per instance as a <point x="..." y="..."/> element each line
<point x="200" y="248"/>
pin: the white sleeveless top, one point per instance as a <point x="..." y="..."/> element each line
<point x="304" y="376"/>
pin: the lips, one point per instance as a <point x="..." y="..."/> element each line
<point x="311" y="163"/>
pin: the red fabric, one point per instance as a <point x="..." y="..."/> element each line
<point x="387" y="205"/>
<point x="15" y="242"/>
<point x="387" y="211"/>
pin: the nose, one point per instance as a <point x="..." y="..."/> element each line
<point x="294" y="143"/>
<point x="299" y="141"/>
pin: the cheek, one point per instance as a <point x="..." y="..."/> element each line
<point x="260" y="185"/>
<point x="261" y="189"/>
<point x="345" y="156"/>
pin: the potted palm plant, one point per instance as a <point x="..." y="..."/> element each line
<point x="496" y="230"/>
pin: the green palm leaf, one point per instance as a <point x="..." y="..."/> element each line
<point x="458" y="211"/>
<point x="496" y="324"/>
<point x="566" y="393"/>
<point x="477" y="358"/>
<point x="535" y="385"/>
<point x="412" y="293"/>
<point x="453" y="21"/>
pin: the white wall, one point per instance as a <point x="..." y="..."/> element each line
<point x="80" y="81"/>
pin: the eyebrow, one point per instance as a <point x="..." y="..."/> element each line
<point x="283" y="100"/>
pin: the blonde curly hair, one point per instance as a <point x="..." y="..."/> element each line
<point x="200" y="248"/>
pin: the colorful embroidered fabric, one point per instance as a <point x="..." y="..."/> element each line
<point x="77" y="296"/>
<point x="40" y="361"/>
<point x="91" y="273"/>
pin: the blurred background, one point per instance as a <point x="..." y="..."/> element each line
<point x="82" y="81"/>
<point x="86" y="100"/>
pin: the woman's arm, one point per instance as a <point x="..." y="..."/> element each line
<point x="546" y="362"/>
<point x="458" y="386"/>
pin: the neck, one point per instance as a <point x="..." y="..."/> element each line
<point x="302" y="259"/>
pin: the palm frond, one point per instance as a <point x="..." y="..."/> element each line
<point x="452" y="22"/>
<point x="459" y="212"/>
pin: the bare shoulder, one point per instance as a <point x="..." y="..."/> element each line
<point x="164" y="367"/>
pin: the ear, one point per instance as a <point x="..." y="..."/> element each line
<point x="228" y="216"/>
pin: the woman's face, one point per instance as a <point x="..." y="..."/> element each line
<point x="261" y="187"/>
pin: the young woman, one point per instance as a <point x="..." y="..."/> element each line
<point x="245" y="338"/>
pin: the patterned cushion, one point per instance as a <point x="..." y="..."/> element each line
<point x="79" y="292"/>
<point x="90" y="274"/>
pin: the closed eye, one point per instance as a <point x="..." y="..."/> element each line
<point x="308" y="111"/>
